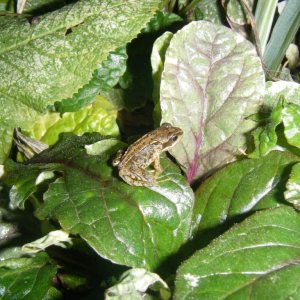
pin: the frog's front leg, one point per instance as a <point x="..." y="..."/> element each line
<point x="137" y="176"/>
<point x="157" y="166"/>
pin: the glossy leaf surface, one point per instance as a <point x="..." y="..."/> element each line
<point x="258" y="259"/>
<point x="27" y="278"/>
<point x="242" y="187"/>
<point x="134" y="226"/>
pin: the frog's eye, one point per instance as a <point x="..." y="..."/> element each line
<point x="174" y="138"/>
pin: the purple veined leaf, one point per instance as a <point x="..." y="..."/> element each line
<point x="212" y="80"/>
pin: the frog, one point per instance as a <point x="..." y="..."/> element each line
<point x="133" y="163"/>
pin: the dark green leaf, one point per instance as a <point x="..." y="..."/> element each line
<point x="27" y="278"/>
<point x="257" y="259"/>
<point x="134" y="226"/>
<point x="242" y="187"/>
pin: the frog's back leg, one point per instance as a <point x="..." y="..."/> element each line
<point x="137" y="176"/>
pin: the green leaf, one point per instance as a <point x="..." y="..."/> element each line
<point x="264" y="18"/>
<point x="161" y="21"/>
<point x="265" y="137"/>
<point x="292" y="193"/>
<point x="134" y="226"/>
<point x="97" y="117"/>
<point x="56" y="237"/>
<point x="282" y="35"/>
<point x="104" y="78"/>
<point x="291" y="122"/>
<point x="242" y="187"/>
<point x="210" y="9"/>
<point x="24" y="180"/>
<point x="38" y="7"/>
<point x="290" y="91"/>
<point x="51" y="58"/>
<point x="134" y="284"/>
<point x="157" y="63"/>
<point x="27" y="278"/>
<point x="208" y="93"/>
<point x="257" y="259"/>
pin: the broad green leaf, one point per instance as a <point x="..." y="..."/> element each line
<point x="291" y="122"/>
<point x="242" y="187"/>
<point x="104" y="78"/>
<point x="27" y="278"/>
<point x="292" y="193"/>
<point x="133" y="226"/>
<point x="157" y="63"/>
<point x="97" y="117"/>
<point x="257" y="259"/>
<point x="212" y="80"/>
<point x="290" y="91"/>
<point x="133" y="285"/>
<point x="51" y="58"/>
<point x="265" y="137"/>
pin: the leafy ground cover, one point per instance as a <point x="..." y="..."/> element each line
<point x="84" y="79"/>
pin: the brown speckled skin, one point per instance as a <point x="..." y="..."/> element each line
<point x="145" y="151"/>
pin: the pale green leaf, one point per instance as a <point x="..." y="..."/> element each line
<point x="291" y="122"/>
<point x="52" y="57"/>
<point x="133" y="285"/>
<point x="292" y="193"/>
<point x="212" y="80"/>
<point x="97" y="117"/>
<point x="157" y="63"/>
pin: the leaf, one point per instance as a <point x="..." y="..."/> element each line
<point x="291" y="122"/>
<point x="134" y="284"/>
<point x="133" y="226"/>
<point x="290" y="91"/>
<point x="265" y="137"/>
<point x="56" y="237"/>
<point x="157" y="63"/>
<point x="257" y="259"/>
<point x="24" y="180"/>
<point x="27" y="278"/>
<point x="161" y="21"/>
<point x="104" y="78"/>
<point x="97" y="117"/>
<point x="286" y="26"/>
<point x="51" y="58"/>
<point x="242" y="187"/>
<point x="292" y="193"/>
<point x="212" y="80"/>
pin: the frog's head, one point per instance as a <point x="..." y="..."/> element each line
<point x="170" y="135"/>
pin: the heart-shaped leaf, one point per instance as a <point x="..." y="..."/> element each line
<point x="134" y="226"/>
<point x="241" y="187"/>
<point x="212" y="80"/>
<point x="257" y="259"/>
